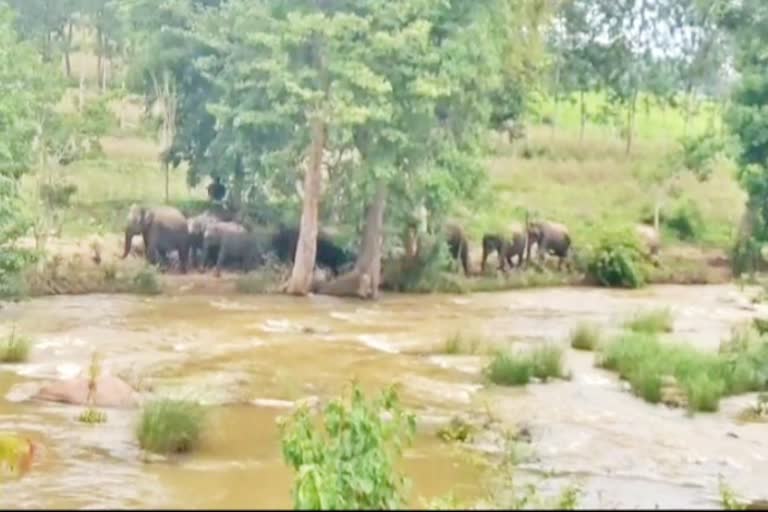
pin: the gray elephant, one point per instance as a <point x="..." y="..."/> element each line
<point x="505" y="248"/>
<point x="197" y="226"/>
<point x="458" y="246"/>
<point x="163" y="230"/>
<point x="651" y="240"/>
<point x="236" y="244"/>
<point x="550" y="238"/>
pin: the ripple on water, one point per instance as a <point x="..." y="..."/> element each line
<point x="377" y="342"/>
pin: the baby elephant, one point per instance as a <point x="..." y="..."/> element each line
<point x="231" y="241"/>
<point x="550" y="238"/>
<point x="651" y="240"/>
<point x="504" y="248"/>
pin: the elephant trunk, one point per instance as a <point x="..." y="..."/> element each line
<point x="128" y="240"/>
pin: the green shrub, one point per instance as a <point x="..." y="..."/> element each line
<point x="347" y="461"/>
<point x="618" y="260"/>
<point x="585" y="336"/>
<point x="170" y="426"/>
<point x="146" y="281"/>
<point x="653" y="321"/>
<point x="641" y="359"/>
<point x="517" y="369"/>
<point x="685" y="221"/>
<point x="15" y="348"/>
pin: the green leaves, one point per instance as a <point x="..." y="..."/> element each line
<point x="350" y="463"/>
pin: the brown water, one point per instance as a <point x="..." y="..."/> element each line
<point x="251" y="357"/>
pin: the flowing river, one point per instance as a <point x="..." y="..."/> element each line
<point x="252" y="357"/>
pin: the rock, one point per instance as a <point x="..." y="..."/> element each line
<point x="110" y="392"/>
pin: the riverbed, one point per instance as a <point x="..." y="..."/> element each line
<point x="252" y="357"/>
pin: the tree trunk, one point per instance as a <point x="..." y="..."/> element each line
<point x="167" y="180"/>
<point x="236" y="192"/>
<point x="630" y="122"/>
<point x="363" y="281"/>
<point x="556" y="98"/>
<point x="687" y="109"/>
<point x="99" y="54"/>
<point x="657" y="214"/>
<point x="67" y="50"/>
<point x="81" y="91"/>
<point x="300" y="281"/>
<point x="583" y="114"/>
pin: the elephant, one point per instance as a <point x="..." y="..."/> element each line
<point x="197" y="226"/>
<point x="650" y="237"/>
<point x="235" y="243"/>
<point x="163" y="230"/>
<point x="550" y="237"/>
<point x="329" y="254"/>
<point x="505" y="248"/>
<point x="458" y="245"/>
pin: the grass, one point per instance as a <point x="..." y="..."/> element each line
<point x="585" y="336"/>
<point x="92" y="416"/>
<point x="652" y="321"/>
<point x="266" y="279"/>
<point x="517" y="369"/>
<point x="459" y="343"/>
<point x="170" y="426"/>
<point x="15" y="348"/>
<point x="646" y="363"/>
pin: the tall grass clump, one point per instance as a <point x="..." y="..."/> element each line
<point x="517" y="369"/>
<point x="652" y="321"/>
<point x="15" y="348"/>
<point x="585" y="336"/>
<point x="170" y="426"/>
<point x="459" y="343"/>
<point x="646" y="363"/>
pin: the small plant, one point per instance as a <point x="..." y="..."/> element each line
<point x="146" y="281"/>
<point x="457" y="430"/>
<point x="170" y="426"/>
<point x="517" y="369"/>
<point x="459" y="344"/>
<point x="586" y="336"/>
<point x="651" y="322"/>
<point x="349" y="462"/>
<point x="92" y="415"/>
<point x="15" y="348"/>
<point x="728" y="498"/>
<point x="16" y="453"/>
<point x="685" y="221"/>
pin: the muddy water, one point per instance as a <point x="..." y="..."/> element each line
<point x="253" y="357"/>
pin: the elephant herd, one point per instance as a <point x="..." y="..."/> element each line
<point x="514" y="246"/>
<point x="208" y="241"/>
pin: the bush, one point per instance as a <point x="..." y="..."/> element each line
<point x="146" y="281"/>
<point x="653" y="321"/>
<point x="517" y="369"/>
<point x="618" y="260"/>
<point x="685" y="221"/>
<point x="15" y="348"/>
<point x="350" y="463"/>
<point x="704" y="377"/>
<point x="424" y="273"/>
<point x="170" y="426"/>
<point x="586" y="336"/>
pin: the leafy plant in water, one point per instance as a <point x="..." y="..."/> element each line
<point x="146" y="281"/>
<point x="170" y="426"/>
<point x="16" y="453"/>
<point x="457" y="430"/>
<point x="15" y="348"/>
<point x="652" y="321"/>
<point x="93" y="415"/>
<point x="728" y="498"/>
<point x="350" y="463"/>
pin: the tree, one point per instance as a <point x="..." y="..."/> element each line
<point x="747" y="22"/>
<point x="28" y="92"/>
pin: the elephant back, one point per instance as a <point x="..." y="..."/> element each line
<point x="168" y="217"/>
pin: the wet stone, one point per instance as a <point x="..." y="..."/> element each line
<point x="110" y="392"/>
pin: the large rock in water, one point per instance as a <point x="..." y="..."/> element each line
<point x="110" y="392"/>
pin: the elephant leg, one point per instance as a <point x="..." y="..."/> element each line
<point x="220" y="261"/>
<point x="183" y="258"/>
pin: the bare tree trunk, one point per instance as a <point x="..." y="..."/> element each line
<point x="300" y="281"/>
<point x="99" y="53"/>
<point x="630" y="122"/>
<point x="167" y="181"/>
<point x="81" y="91"/>
<point x="583" y="118"/>
<point x="364" y="280"/>
<point x="68" y="50"/>
<point x="556" y="100"/>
